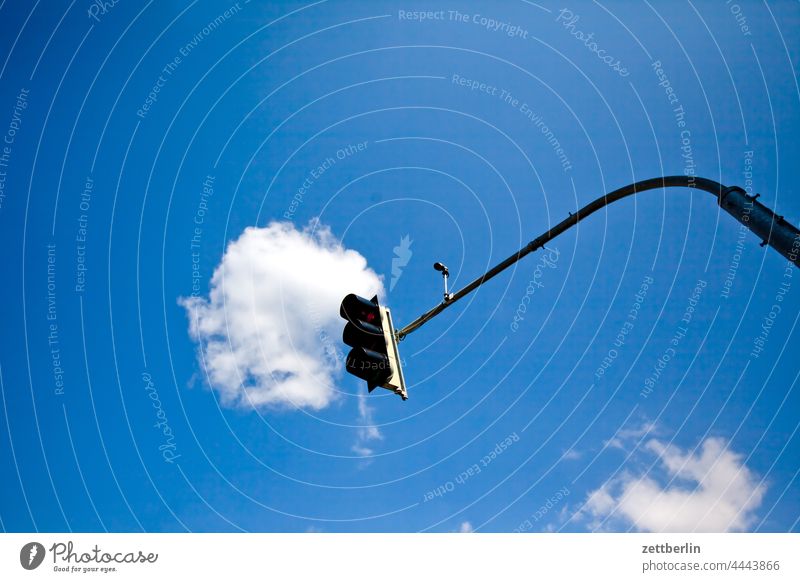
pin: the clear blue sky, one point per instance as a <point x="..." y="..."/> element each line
<point x="145" y="101"/>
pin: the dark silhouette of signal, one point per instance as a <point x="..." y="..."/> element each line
<point x="370" y="332"/>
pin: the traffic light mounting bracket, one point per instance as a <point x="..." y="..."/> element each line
<point x="397" y="382"/>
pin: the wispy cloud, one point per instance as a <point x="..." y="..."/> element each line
<point x="268" y="332"/>
<point x="706" y="490"/>
<point x="626" y="438"/>
<point x="367" y="431"/>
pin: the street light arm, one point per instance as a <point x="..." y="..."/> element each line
<point x="772" y="229"/>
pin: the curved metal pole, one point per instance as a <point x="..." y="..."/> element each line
<point x="773" y="229"/>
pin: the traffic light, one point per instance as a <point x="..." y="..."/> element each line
<point x="370" y="332"/>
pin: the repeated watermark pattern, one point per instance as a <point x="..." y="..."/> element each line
<point x="568" y="19"/>
<point x="81" y="236"/>
<point x="53" y="341"/>
<point x="318" y="171"/>
<point x="476" y="19"/>
<point x="99" y="8"/>
<point x="739" y="16"/>
<point x="626" y="328"/>
<point x="473" y="470"/>
<point x="679" y="114"/>
<point x="507" y="98"/>
<point x="170" y="68"/>
<point x="677" y="337"/>
<point x="543" y="510"/>
<point x="9" y="138"/>
<point x="760" y="341"/>
<point x="547" y="260"/>
<point x="168" y="448"/>
<point x="741" y="236"/>
<point x="195" y="242"/>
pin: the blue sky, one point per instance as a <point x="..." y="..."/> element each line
<point x="142" y="140"/>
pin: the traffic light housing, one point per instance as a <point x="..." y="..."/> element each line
<point x="370" y="332"/>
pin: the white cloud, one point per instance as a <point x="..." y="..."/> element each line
<point x="624" y="437"/>
<point x="709" y="490"/>
<point x="465" y="527"/>
<point x="269" y="330"/>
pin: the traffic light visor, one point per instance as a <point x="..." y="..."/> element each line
<point x="355" y="308"/>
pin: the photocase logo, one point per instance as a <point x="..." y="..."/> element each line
<point x="31" y="555"/>
<point x="402" y="254"/>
